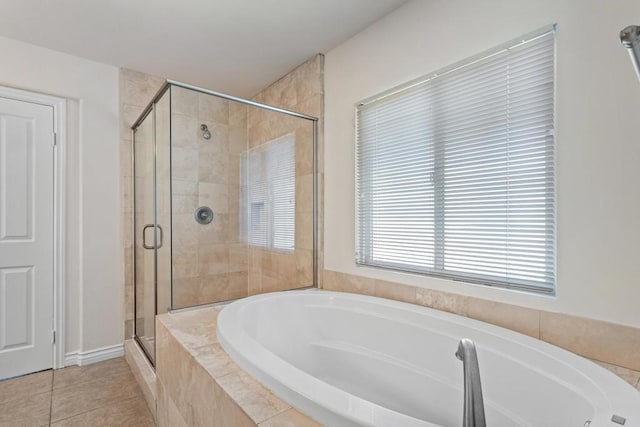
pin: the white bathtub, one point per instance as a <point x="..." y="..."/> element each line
<point x="353" y="360"/>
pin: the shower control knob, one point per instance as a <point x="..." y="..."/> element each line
<point x="203" y="215"/>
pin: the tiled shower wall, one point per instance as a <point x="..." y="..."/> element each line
<point x="301" y="90"/>
<point x="209" y="261"/>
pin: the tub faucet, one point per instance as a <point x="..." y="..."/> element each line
<point x="473" y="404"/>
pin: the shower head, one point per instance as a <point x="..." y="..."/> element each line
<point x="630" y="38"/>
<point x="205" y="131"/>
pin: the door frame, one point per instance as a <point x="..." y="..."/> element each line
<point x="59" y="106"/>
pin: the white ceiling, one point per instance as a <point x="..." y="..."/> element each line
<point x="233" y="46"/>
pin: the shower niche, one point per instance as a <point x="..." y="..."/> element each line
<point x="224" y="202"/>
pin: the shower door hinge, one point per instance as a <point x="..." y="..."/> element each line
<point x="55" y="139"/>
<point x="53" y="337"/>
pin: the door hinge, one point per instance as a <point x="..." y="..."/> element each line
<point x="53" y="333"/>
<point x="55" y="139"/>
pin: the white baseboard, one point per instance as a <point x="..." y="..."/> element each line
<point x="82" y="358"/>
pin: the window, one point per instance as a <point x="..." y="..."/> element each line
<point x="455" y="171"/>
<point x="268" y="194"/>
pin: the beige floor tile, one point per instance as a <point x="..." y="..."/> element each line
<point x="86" y="396"/>
<point x="28" y="410"/>
<point x="17" y="388"/>
<point x="76" y="375"/>
<point x="127" y="412"/>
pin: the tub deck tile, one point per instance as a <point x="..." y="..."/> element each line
<point x="238" y="399"/>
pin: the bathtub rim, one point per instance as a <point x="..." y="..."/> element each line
<point x="602" y="379"/>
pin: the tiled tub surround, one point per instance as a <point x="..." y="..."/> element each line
<point x="613" y="344"/>
<point x="199" y="385"/>
<point x="317" y="349"/>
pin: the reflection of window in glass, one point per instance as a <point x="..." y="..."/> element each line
<point x="269" y="194"/>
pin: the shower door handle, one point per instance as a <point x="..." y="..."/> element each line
<point x="144" y="237"/>
<point x="160" y="237"/>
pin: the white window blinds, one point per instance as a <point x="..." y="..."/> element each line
<point x="269" y="194"/>
<point x="455" y="171"/>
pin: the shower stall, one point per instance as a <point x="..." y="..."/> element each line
<point x="225" y="194"/>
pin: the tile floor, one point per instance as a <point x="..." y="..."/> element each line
<point x="102" y="394"/>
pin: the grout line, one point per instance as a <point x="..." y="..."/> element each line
<point x="53" y="373"/>
<point x="276" y="415"/>
<point x="106" y="405"/>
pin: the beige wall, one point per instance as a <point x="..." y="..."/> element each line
<point x="93" y="298"/>
<point x="598" y="99"/>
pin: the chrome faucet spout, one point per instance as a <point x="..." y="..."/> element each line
<point x="473" y="402"/>
<point x="630" y="38"/>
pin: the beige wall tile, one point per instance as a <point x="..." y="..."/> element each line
<point x="213" y="259"/>
<point x="213" y="109"/>
<point x="185" y="230"/>
<point x="168" y="414"/>
<point x="395" y="291"/>
<point x="138" y="88"/>
<point x="304" y="267"/>
<point x="213" y="288"/>
<point x="184" y="204"/>
<point x="237" y="114"/>
<point x="184" y="101"/>
<point x="519" y="319"/>
<point x="185" y="261"/>
<point x="186" y="291"/>
<point x="238" y="285"/>
<point x="336" y="281"/>
<point x="185" y="131"/>
<point x="290" y="418"/>
<point x="444" y="301"/>
<point x="182" y="163"/>
<point x="217" y="231"/>
<point x="237" y="140"/>
<point x="629" y="375"/>
<point x="143" y="372"/>
<point x="258" y="402"/>
<point x="595" y="339"/>
<point x="213" y="195"/>
<point x="304" y="230"/>
<point x="304" y="193"/>
<point x="238" y="258"/>
<point x="304" y="150"/>
<point x="184" y="187"/>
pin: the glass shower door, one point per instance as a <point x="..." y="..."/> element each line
<point x="145" y="236"/>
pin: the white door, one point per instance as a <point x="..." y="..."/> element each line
<point x="26" y="237"/>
